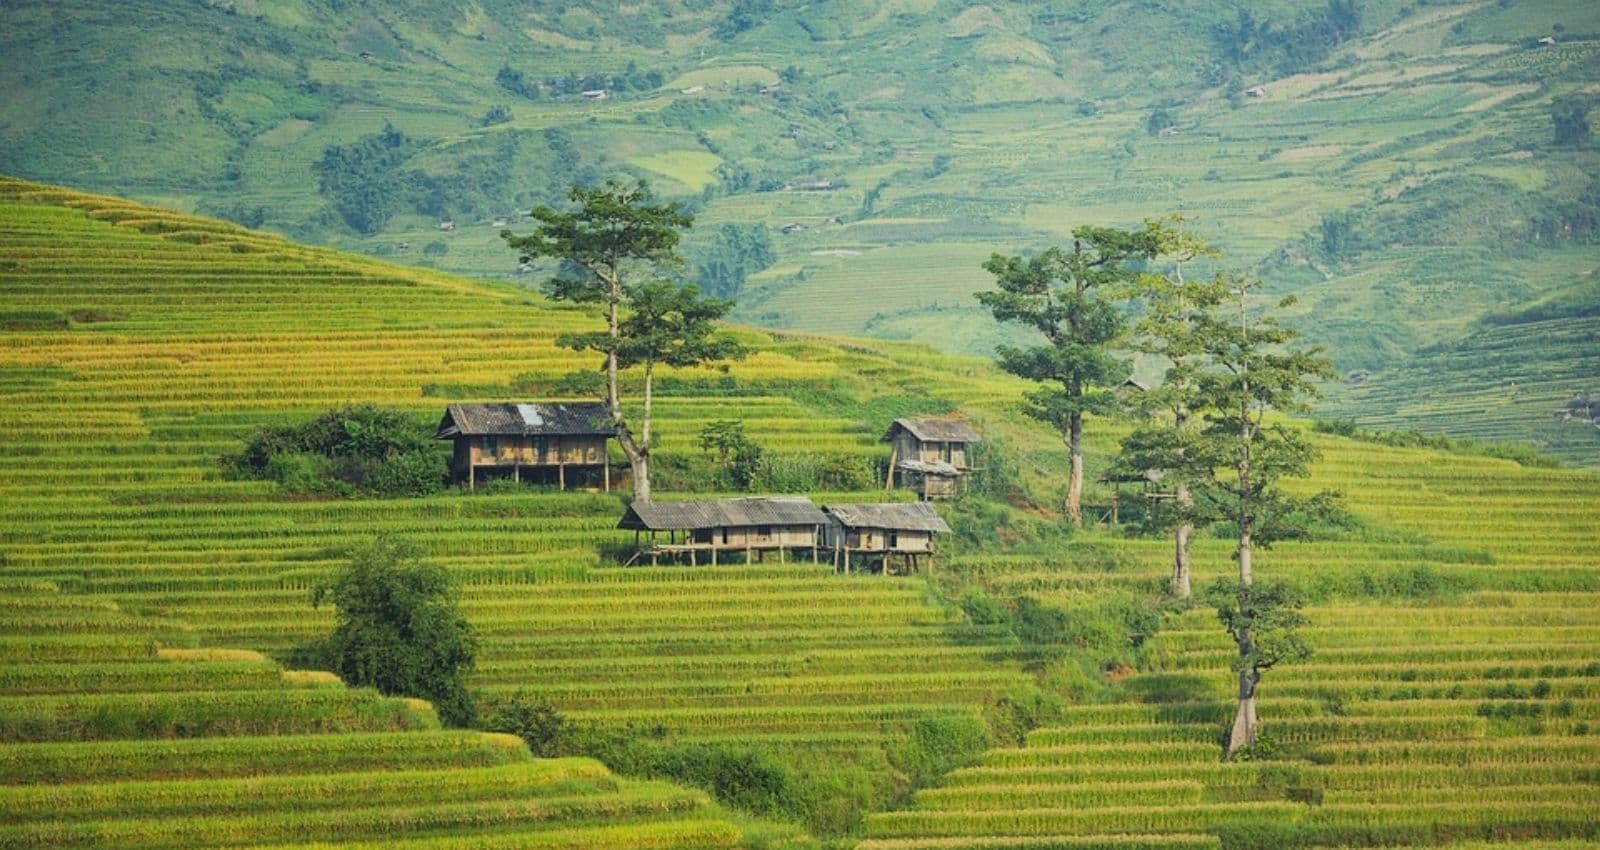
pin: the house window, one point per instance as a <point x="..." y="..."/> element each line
<point x="894" y="539"/>
<point x="488" y="445"/>
<point x="702" y="535"/>
<point x="724" y="535"/>
<point x="763" y="532"/>
<point x="949" y="452"/>
<point x="540" y="447"/>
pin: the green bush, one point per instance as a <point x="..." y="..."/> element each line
<point x="939" y="744"/>
<point x="357" y="450"/>
<point x="547" y="732"/>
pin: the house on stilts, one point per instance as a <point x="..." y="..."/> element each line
<point x="881" y="533"/>
<point x="543" y="442"/>
<point x="929" y="454"/>
<point x="713" y="531"/>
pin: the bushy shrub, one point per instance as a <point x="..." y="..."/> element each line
<point x="939" y="744"/>
<point x="357" y="450"/>
<point x="547" y="732"/>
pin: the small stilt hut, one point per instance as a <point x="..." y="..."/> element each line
<point x="929" y="454"/>
<point x="546" y="442"/>
<point x="882" y="532"/>
<point x="716" y="531"/>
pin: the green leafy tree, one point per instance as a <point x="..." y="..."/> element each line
<point x="1066" y="298"/>
<point x="670" y="325"/>
<point x="616" y="233"/>
<point x="1264" y="620"/>
<point x="398" y="629"/>
<point x="1157" y="448"/>
<point x="1241" y="372"/>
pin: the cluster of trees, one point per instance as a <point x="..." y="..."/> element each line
<point x="356" y="450"/>
<point x="736" y="252"/>
<point x="1250" y="44"/>
<point x="1204" y="439"/>
<point x="632" y="78"/>
<point x="365" y="180"/>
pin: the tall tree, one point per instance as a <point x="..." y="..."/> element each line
<point x="1066" y="297"/>
<point x="616" y="233"/>
<point x="670" y="325"/>
<point x="1158" y="446"/>
<point x="1242" y="372"/>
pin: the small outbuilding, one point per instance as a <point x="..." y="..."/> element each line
<point x="713" y="530"/>
<point x="881" y="532"/>
<point x="929" y="454"/>
<point x="557" y="443"/>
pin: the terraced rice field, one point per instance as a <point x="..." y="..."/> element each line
<point x="1452" y="696"/>
<point x="119" y="731"/>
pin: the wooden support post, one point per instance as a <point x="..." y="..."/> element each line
<point x="607" y="484"/>
<point x="713" y="554"/>
<point x="516" y="473"/>
<point x="692" y="561"/>
<point x="894" y="457"/>
<point x="561" y="475"/>
<point x="472" y="476"/>
<point x="780" y="553"/>
<point x="747" y="559"/>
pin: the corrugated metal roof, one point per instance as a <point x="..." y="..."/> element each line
<point x="719" y="513"/>
<point x="538" y="418"/>
<point x="935" y="429"/>
<point x="910" y="516"/>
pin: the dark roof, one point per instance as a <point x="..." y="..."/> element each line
<point x="542" y="418"/>
<point x="937" y="429"/>
<point x="910" y="516"/>
<point x="719" y="513"/>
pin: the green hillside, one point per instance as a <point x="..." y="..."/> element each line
<point x="1453" y="615"/>
<point x="1400" y="168"/>
<point x="1487" y="384"/>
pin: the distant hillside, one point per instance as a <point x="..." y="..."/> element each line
<point x="1396" y="165"/>
<point x="1508" y="379"/>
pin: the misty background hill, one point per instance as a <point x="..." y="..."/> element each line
<point x="1421" y="175"/>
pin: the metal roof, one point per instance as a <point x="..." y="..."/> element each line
<point x="935" y="429"/>
<point x="720" y="513"/>
<point x="909" y="516"/>
<point x="538" y="418"/>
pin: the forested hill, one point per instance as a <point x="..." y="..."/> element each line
<point x="1405" y="168"/>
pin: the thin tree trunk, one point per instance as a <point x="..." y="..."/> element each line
<point x="1180" y="554"/>
<point x="638" y="458"/>
<point x="1074" y="501"/>
<point x="1245" y="728"/>
<point x="1185" y="501"/>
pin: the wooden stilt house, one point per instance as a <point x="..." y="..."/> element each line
<point x="870" y="533"/>
<point x="929" y="454"/>
<point x="545" y="442"/>
<point x="721" y="530"/>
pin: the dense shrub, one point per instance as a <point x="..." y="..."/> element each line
<point x="938" y="744"/>
<point x="547" y="732"/>
<point x="358" y="450"/>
